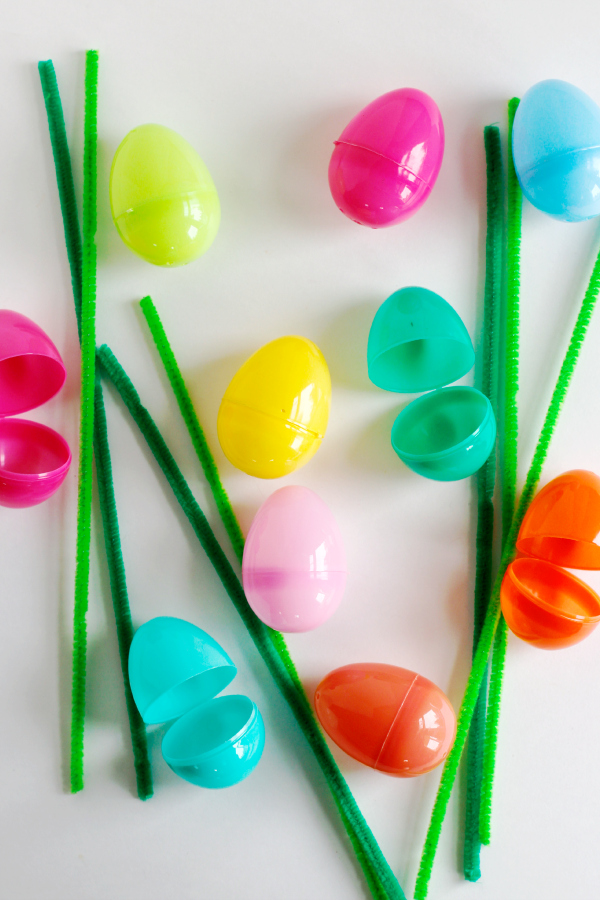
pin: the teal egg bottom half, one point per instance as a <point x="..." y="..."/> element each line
<point x="218" y="744"/>
<point x="447" y="434"/>
<point x="566" y="186"/>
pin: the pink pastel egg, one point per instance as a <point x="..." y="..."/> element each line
<point x="294" y="566"/>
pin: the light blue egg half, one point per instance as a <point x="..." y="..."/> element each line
<point x="556" y="150"/>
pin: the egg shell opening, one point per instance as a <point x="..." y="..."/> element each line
<point x="545" y="605"/>
<point x="163" y="200"/>
<point x="31" y="368"/>
<point x="447" y="434"/>
<point x="174" y="666"/>
<point x="417" y="342"/>
<point x="563" y="520"/>
<point x="386" y="717"/>
<point x="34" y="461"/>
<point x="216" y="744"/>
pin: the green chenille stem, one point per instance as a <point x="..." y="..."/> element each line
<point x="112" y="539"/>
<point x="64" y="178"/>
<point x="118" y="587"/>
<point x="206" y="458"/>
<point x="509" y="454"/>
<point x="375" y="866"/>
<point x="86" y="428"/>
<point x="193" y="426"/>
<point x="485" y="489"/>
<point x="231" y="524"/>
<point x="492" y="617"/>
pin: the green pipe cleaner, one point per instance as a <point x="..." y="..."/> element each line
<point x="371" y="859"/>
<point x="86" y="428"/>
<point x="509" y="464"/>
<point x="205" y="456"/>
<point x="493" y="613"/>
<point x="110" y="522"/>
<point x="486" y="478"/>
<point x="229" y="518"/>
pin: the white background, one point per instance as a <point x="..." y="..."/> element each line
<point x="262" y="89"/>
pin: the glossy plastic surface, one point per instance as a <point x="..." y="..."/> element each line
<point x="274" y="413"/>
<point x="447" y="434"/>
<point x="417" y="342"/>
<point x="173" y="667"/>
<point x="386" y="717"/>
<point x="217" y="744"/>
<point x="163" y="200"/>
<point x="294" y="566"/>
<point x="563" y="522"/>
<point x="556" y="150"/>
<point x="175" y="670"/>
<point x="34" y="461"/>
<point x="387" y="159"/>
<point x="31" y="369"/>
<point x="546" y="605"/>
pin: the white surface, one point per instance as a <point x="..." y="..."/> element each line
<point x="262" y="89"/>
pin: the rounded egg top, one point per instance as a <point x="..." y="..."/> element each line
<point x="294" y="566"/>
<point x="556" y="150"/>
<point x="387" y="159"/>
<point x="274" y="413"/>
<point x="163" y="200"/>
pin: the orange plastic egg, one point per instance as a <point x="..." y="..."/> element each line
<point x="542" y="602"/>
<point x="563" y="521"/>
<point x="388" y="718"/>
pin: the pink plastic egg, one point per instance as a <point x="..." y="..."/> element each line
<point x="387" y="159"/>
<point x="294" y="566"/>
<point x="388" y="718"/>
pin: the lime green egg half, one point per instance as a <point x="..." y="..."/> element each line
<point x="163" y="200"/>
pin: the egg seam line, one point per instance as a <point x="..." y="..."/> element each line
<point x="391" y="728"/>
<point x="389" y="159"/>
<point x="297" y="425"/>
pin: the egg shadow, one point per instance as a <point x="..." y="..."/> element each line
<point x="111" y="248"/>
<point x="344" y="345"/>
<point x="373" y="448"/>
<point x="300" y="181"/>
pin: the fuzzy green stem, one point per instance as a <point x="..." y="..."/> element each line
<point x="485" y="490"/>
<point x="86" y="430"/>
<point x="371" y="858"/>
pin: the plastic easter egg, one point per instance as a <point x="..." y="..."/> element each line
<point x="387" y="159"/>
<point x="388" y="718"/>
<point x="543" y="603"/>
<point x="163" y="200"/>
<point x="417" y="342"/>
<point x="274" y="413"/>
<point x="563" y="522"/>
<point x="31" y="368"/>
<point x="175" y="670"/>
<point x="294" y="566"/>
<point x="556" y="150"/>
<point x="447" y="434"/>
<point x="546" y="605"/>
<point x="34" y="461"/>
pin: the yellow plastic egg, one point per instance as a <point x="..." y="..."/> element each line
<point x="163" y="200"/>
<point x="274" y="413"/>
